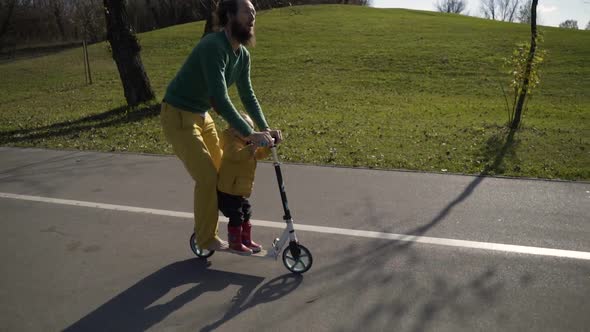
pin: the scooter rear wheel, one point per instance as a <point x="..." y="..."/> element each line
<point x="299" y="264"/>
<point x="201" y="253"/>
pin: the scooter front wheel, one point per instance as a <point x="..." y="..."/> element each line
<point x="297" y="258"/>
<point x="201" y="253"/>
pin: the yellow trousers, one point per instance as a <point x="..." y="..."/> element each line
<point x="194" y="140"/>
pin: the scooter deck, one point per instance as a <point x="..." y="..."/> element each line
<point x="262" y="254"/>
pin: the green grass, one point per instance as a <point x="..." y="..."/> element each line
<point x="353" y="86"/>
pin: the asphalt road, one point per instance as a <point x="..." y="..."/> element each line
<point x="80" y="268"/>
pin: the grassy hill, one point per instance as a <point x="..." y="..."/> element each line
<point x="356" y="86"/>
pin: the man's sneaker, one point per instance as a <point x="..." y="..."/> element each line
<point x="218" y="244"/>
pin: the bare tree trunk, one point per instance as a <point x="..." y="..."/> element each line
<point x="6" y="20"/>
<point x="58" y="14"/>
<point x="208" y="8"/>
<point x="488" y="8"/>
<point x="126" y="50"/>
<point x="512" y="7"/>
<point x="154" y="10"/>
<point x="523" y="92"/>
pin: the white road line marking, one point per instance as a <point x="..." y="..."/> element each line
<point x="327" y="230"/>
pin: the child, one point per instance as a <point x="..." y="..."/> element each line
<point x="234" y="186"/>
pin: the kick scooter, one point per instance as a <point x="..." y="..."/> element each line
<point x="296" y="257"/>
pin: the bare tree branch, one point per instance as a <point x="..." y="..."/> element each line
<point x="569" y="24"/>
<point x="451" y="6"/>
<point x="501" y="10"/>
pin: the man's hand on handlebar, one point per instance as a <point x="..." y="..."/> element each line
<point x="276" y="134"/>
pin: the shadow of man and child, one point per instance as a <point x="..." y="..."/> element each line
<point x="133" y="309"/>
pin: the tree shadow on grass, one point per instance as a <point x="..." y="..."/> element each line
<point x="9" y="52"/>
<point x="73" y="128"/>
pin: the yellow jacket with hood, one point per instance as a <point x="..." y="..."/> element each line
<point x="238" y="165"/>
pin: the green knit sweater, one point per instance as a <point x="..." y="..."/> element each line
<point x="202" y="82"/>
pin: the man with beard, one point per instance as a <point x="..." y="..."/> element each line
<point x="219" y="60"/>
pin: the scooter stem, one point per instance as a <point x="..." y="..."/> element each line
<point x="287" y="217"/>
<point x="275" y="156"/>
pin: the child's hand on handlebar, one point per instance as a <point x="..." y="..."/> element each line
<point x="262" y="139"/>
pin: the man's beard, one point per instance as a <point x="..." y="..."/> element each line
<point x="242" y="34"/>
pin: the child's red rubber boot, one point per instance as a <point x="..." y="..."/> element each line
<point x="234" y="237"/>
<point x="247" y="237"/>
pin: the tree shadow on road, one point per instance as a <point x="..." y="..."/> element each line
<point x="421" y="297"/>
<point x="389" y="285"/>
<point x="133" y="309"/>
<point x="497" y="148"/>
<point x="73" y="128"/>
